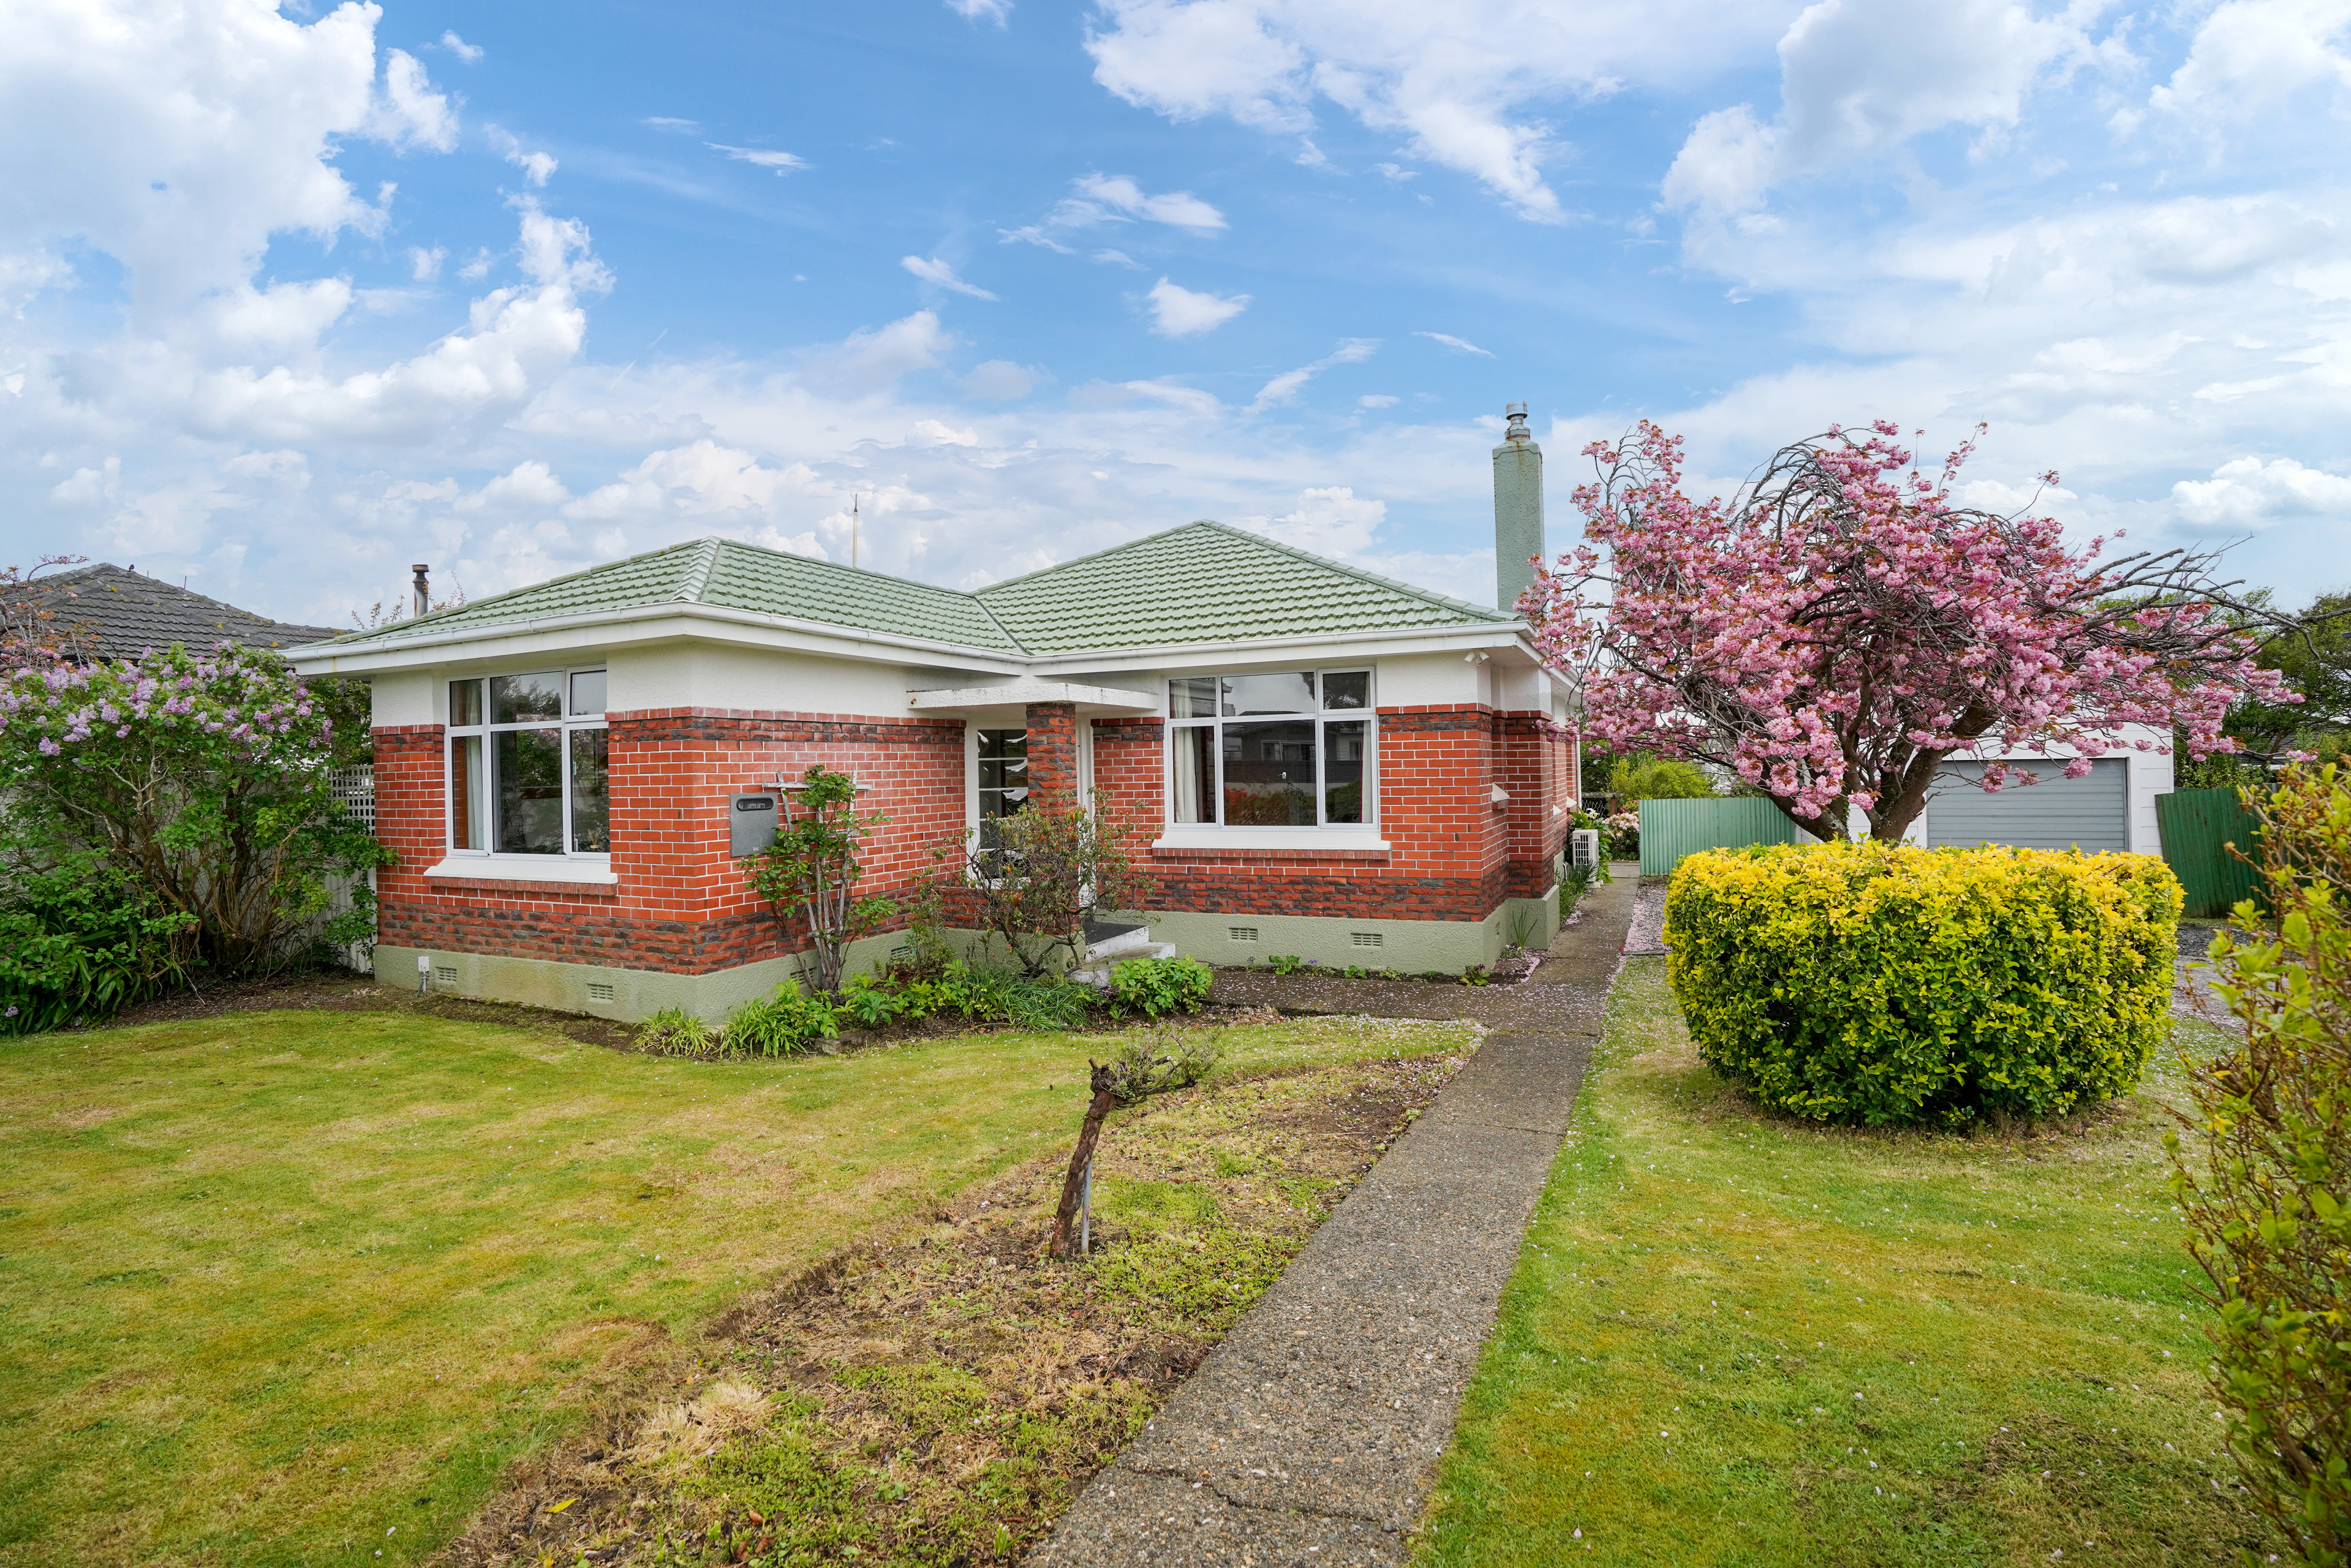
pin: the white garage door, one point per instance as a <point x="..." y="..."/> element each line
<point x="2092" y="812"/>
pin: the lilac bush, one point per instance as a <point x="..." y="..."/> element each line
<point x="202" y="779"/>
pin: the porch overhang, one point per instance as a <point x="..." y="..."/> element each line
<point x="1020" y="693"/>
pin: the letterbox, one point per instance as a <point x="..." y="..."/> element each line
<point x="750" y="824"/>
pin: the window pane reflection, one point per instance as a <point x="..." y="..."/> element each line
<point x="1352" y="689"/>
<point x="531" y="792"/>
<point x="587" y="692"/>
<point x="1291" y="692"/>
<point x="518" y="699"/>
<point x="1344" y="780"/>
<point x="591" y="790"/>
<point x="1269" y="775"/>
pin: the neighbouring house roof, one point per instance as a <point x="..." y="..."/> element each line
<point x="113" y="613"/>
<point x="1203" y="582"/>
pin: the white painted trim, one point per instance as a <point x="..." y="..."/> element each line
<point x="1024" y="692"/>
<point x="526" y="868"/>
<point x="1204" y="836"/>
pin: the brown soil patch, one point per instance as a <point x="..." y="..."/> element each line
<point x="942" y="1396"/>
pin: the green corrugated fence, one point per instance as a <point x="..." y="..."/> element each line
<point x="1672" y="828"/>
<point x="2199" y="828"/>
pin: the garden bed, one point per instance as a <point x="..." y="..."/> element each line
<point x="941" y="1396"/>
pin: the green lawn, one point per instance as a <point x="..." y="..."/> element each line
<point x="1733" y="1340"/>
<point x="294" y="1287"/>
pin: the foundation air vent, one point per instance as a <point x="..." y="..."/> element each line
<point x="1244" y="932"/>
<point x="1367" y="938"/>
<point x="599" y="990"/>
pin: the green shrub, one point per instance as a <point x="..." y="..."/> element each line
<point x="673" y="1031"/>
<point x="1886" y="984"/>
<point x="784" y="1024"/>
<point x="82" y="942"/>
<point x="1641" y="777"/>
<point x="1155" y="985"/>
<point x="871" y="1003"/>
<point x="1286" y="963"/>
<point x="2267" y="1194"/>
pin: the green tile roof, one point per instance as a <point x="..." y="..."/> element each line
<point x="1203" y="582"/>
<point x="732" y="576"/>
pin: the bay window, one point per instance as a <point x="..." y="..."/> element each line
<point x="1287" y="750"/>
<point x="529" y="765"/>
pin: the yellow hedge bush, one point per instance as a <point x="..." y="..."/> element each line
<point x="1888" y="984"/>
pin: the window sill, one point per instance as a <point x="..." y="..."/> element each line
<point x="515" y="867"/>
<point x="1326" y="839"/>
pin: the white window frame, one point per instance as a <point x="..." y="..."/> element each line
<point x="485" y="731"/>
<point x="1332" y="834"/>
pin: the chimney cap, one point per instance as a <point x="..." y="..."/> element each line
<point x="422" y="567"/>
<point x="1515" y="416"/>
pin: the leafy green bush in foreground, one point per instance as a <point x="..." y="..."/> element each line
<point x="81" y="942"/>
<point x="1886" y="984"/>
<point x="1155" y="985"/>
<point x="2267" y="1191"/>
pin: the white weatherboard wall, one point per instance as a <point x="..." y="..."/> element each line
<point x="2146" y="774"/>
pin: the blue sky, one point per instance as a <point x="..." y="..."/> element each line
<point x="291" y="299"/>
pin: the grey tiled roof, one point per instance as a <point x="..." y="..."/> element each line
<point x="113" y="613"/>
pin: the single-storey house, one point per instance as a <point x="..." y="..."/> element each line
<point x="1323" y="762"/>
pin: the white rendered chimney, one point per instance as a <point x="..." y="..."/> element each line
<point x="1518" y="509"/>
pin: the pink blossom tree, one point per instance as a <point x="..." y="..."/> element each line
<point x="1839" y="627"/>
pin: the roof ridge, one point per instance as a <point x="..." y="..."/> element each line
<point x="404" y="627"/>
<point x="982" y="593"/>
<point x="697" y="576"/>
<point x="1424" y="594"/>
<point x="1430" y="595"/>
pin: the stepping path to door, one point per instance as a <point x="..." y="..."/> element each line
<point x="1312" y="1434"/>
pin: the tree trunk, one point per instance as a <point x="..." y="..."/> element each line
<point x="1073" y="1185"/>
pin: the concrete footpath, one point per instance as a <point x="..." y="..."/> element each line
<point x="1312" y="1434"/>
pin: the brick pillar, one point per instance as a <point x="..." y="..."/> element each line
<point x="1053" y="753"/>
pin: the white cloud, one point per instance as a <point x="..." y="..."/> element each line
<point x="1461" y="82"/>
<point x="516" y="340"/>
<point x="1178" y="312"/>
<point x="2251" y="492"/>
<point x="670" y="122"/>
<point x="1377" y="399"/>
<point x="870" y="360"/>
<point x="932" y="270"/>
<point x="1001" y="380"/>
<point x="1458" y="345"/>
<point x="1851" y="88"/>
<point x="1396" y="171"/>
<point x="1331" y="521"/>
<point x="409" y="113"/>
<point x="424" y="265"/>
<point x="178" y="138"/>
<point x="1284" y="387"/>
<point x="759" y="157"/>
<point x="469" y="53"/>
<point x="1115" y="199"/>
<point x="2249" y="55"/>
<point x="536" y="166"/>
<point x="996" y="11"/>
<point x="1180" y="208"/>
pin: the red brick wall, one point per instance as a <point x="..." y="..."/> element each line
<point x="680" y="906"/>
<point x="1451" y="855"/>
<point x="1052" y="751"/>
